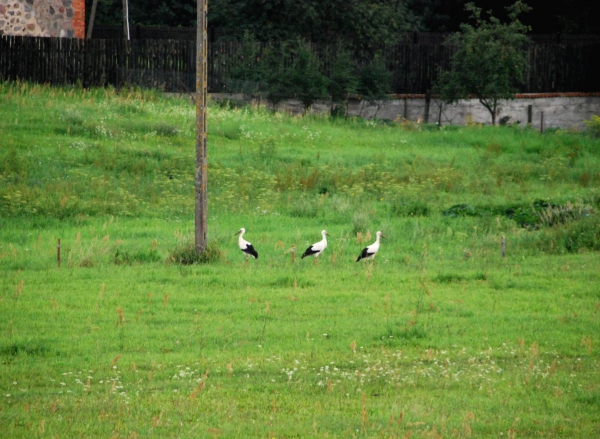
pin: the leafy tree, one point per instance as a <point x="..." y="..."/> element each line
<point x="568" y="16"/>
<point x="267" y="20"/>
<point x="292" y="70"/>
<point x="108" y="12"/>
<point x="367" y="26"/>
<point x="490" y="60"/>
<point x="146" y="12"/>
<point x="342" y="80"/>
<point x="245" y="74"/>
<point x="432" y="14"/>
<point x="374" y="80"/>
<point x="364" y="25"/>
<point x="547" y="17"/>
<point x="305" y="78"/>
<point x="273" y="69"/>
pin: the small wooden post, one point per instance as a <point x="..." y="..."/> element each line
<point x="293" y="251"/>
<point x="529" y="115"/>
<point x="542" y="124"/>
<point x="503" y="246"/>
<point x="427" y="103"/>
<point x="58" y="253"/>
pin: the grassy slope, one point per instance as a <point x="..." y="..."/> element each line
<point x="441" y="337"/>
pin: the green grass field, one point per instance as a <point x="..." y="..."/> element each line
<point x="441" y="337"/>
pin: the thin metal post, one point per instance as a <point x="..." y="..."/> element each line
<point x="201" y="94"/>
<point x="58" y="253"/>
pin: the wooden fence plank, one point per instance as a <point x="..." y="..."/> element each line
<point x="565" y="64"/>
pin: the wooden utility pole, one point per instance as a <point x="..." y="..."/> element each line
<point x="201" y="166"/>
<point x="92" y="18"/>
<point x="126" y="19"/>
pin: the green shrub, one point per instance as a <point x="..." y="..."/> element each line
<point x="166" y="130"/>
<point x="245" y="75"/>
<point x="540" y="213"/>
<point x="554" y="214"/>
<point x="572" y="237"/>
<point x="342" y="80"/>
<point x="460" y="210"/>
<point x="374" y="80"/>
<point x="360" y="222"/>
<point x="593" y="125"/>
<point x="305" y="80"/>
<point x="305" y="206"/>
<point x="13" y="164"/>
<point x="185" y="254"/>
<point x="411" y="208"/>
<point x="140" y="257"/>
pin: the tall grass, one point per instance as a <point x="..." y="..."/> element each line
<point x="441" y="337"/>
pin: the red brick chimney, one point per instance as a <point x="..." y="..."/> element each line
<point x="79" y="18"/>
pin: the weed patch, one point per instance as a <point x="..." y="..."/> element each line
<point x="571" y="237"/>
<point x="140" y="257"/>
<point x="411" y="208"/>
<point x="539" y="213"/>
<point x="397" y="335"/>
<point x="185" y="254"/>
<point x="15" y="349"/>
<point x="447" y="278"/>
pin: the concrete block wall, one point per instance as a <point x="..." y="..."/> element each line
<point x="556" y="110"/>
<point x="43" y="18"/>
<point x="560" y="110"/>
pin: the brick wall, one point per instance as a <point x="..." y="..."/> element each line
<point x="79" y="18"/>
<point x="43" y="18"/>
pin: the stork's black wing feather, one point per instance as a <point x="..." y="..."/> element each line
<point x="309" y="252"/>
<point x="250" y="250"/>
<point x="364" y="254"/>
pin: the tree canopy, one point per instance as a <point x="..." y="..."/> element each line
<point x="490" y="60"/>
<point x="359" y="20"/>
<point x="173" y="13"/>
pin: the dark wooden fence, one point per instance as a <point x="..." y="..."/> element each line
<point x="557" y="63"/>
<point x="169" y="65"/>
<point x="144" y="33"/>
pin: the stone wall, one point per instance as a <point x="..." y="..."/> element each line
<point x="43" y="18"/>
<point x="560" y="110"/>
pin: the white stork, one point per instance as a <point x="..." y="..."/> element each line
<point x="317" y="248"/>
<point x="245" y="246"/>
<point x="371" y="250"/>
